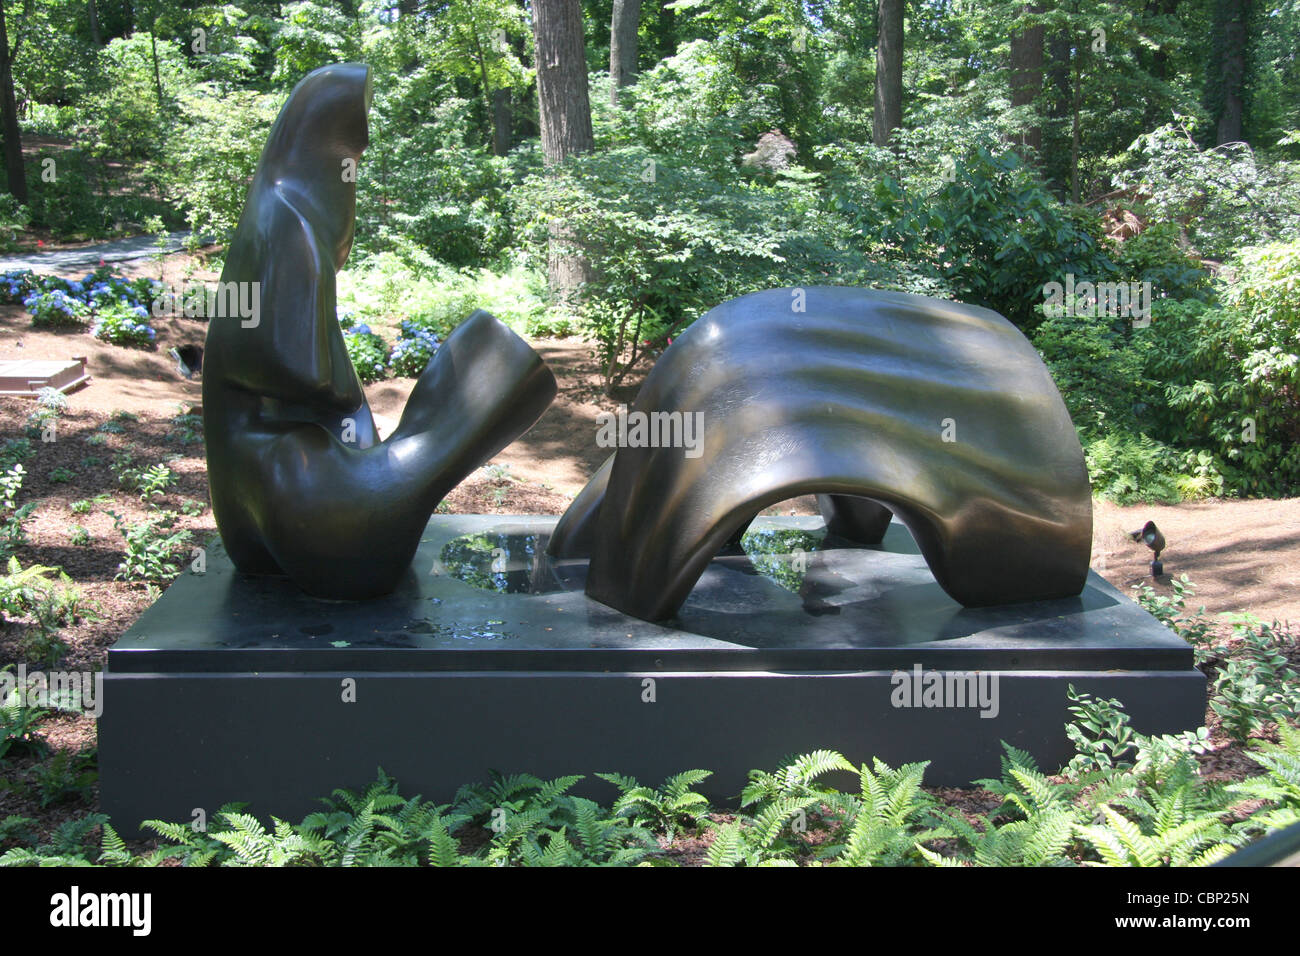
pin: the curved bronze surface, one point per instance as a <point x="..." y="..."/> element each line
<point x="300" y="483"/>
<point x="852" y="398"/>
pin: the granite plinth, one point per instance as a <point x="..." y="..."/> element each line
<point x="239" y="688"/>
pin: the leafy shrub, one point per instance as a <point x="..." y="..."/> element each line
<point x="15" y="450"/>
<point x="415" y="347"/>
<point x="16" y="285"/>
<point x="993" y="232"/>
<point x="121" y="324"/>
<point x="1257" y="684"/>
<point x="1098" y="363"/>
<point x="1224" y="197"/>
<point x="220" y="133"/>
<point x="56" y="310"/>
<point x="410" y="285"/>
<point x="1232" y="373"/>
<point x="666" y="808"/>
<point x="154" y="481"/>
<point x="18" y="723"/>
<point x="674" y="240"/>
<point x="12" y="515"/>
<point x="369" y="353"/>
<point x="65" y="777"/>
<point x="151" y="552"/>
<point x="1129" y="469"/>
<point x="52" y="400"/>
<point x="14" y="218"/>
<point x="1155" y="255"/>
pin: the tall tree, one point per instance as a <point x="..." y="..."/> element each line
<point x="93" y="16"/>
<point x="1027" y="71"/>
<point x="14" y="169"/>
<point x="1232" y="35"/>
<point x="564" y="109"/>
<point x="888" y="115"/>
<point x="623" y="27"/>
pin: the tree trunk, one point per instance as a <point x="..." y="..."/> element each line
<point x="93" y="15"/>
<point x="564" y="110"/>
<point x="1233" y="19"/>
<point x="623" y="27"/>
<point x="14" y="168"/>
<point x="889" y="72"/>
<point x="157" y="75"/>
<point x="1027" y="75"/>
<point x="563" y="104"/>
<point x="501" y="121"/>
<point x="1076" y="139"/>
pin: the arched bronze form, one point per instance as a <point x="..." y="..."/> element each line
<point x="942" y="412"/>
<point x="300" y="483"/>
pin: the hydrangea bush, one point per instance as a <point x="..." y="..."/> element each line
<point x="415" y="346"/>
<point x="119" y="307"/>
<point x="123" y="324"/>
<point x="369" y="353"/>
<point x="56" y="310"/>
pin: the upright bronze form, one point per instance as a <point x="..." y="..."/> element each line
<point x="300" y="483"/>
<point x="879" y="402"/>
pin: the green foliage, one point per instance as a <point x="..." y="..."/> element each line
<point x="14" y="218"/>
<point x="991" y="230"/>
<point x="1100" y="733"/>
<point x="151" y="552"/>
<point x="1257" y="685"/>
<point x="538" y="823"/>
<point x="187" y="429"/>
<point x="1129" y="469"/>
<point x="1171" y="611"/>
<point x="154" y="481"/>
<point x="12" y="515"/>
<point x="46" y="597"/>
<point x="1223" y="197"/>
<point x="1232" y="374"/>
<point x="674" y="241"/>
<point x="881" y="825"/>
<point x="218" y="137"/>
<point x="66" y="776"/>
<point x="69" y="845"/>
<point x="369" y="353"/>
<point x="664" y="809"/>
<point x="57" y="310"/>
<point x="1279" y="786"/>
<point x="1099" y="365"/>
<point x="18" y="727"/>
<point x="122" y="324"/>
<point x="1253" y="685"/>
<point x="1156" y="255"/>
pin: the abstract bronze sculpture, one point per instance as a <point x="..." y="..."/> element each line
<point x="879" y="402"/>
<point x="301" y="484"/>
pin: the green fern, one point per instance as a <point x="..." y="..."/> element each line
<point x="671" y="806"/>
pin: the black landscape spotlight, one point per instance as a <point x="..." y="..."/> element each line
<point x="1154" y="540"/>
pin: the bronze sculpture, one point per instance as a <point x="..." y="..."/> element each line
<point x="879" y="402"/>
<point x="301" y="484"/>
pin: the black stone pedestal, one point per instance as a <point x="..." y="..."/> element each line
<point x="233" y="688"/>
